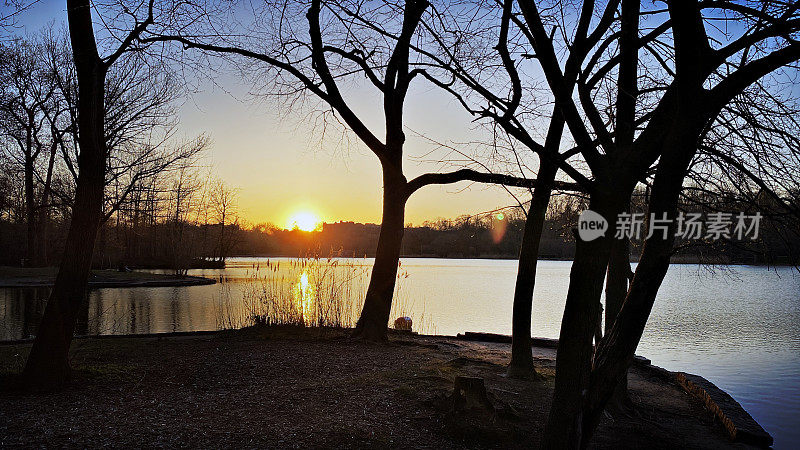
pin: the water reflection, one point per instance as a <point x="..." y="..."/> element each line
<point x="304" y="298"/>
<point x="740" y="330"/>
<point x="112" y="311"/>
<point x="20" y="311"/>
<point x="310" y="291"/>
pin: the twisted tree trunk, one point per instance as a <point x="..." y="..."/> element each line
<point x="581" y="317"/>
<point x="574" y="356"/>
<point x="616" y="351"/>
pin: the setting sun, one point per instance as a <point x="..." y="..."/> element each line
<point x="303" y="220"/>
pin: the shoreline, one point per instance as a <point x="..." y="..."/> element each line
<point x="737" y="423"/>
<point x="675" y="260"/>
<point x="15" y="277"/>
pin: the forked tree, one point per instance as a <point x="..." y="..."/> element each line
<point x="507" y="99"/>
<point x="336" y="42"/>
<point x="707" y="71"/>
<point x="630" y="109"/>
<point x="627" y="112"/>
<point x="498" y="83"/>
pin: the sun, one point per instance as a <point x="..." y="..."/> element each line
<point x="303" y="220"/>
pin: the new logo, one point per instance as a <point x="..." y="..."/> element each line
<point x="591" y="225"/>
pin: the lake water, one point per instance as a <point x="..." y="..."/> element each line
<point x="737" y="326"/>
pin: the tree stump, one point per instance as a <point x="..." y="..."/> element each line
<point x="470" y="393"/>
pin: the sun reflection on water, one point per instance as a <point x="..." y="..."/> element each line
<point x="304" y="296"/>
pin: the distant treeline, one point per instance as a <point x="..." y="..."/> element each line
<point x="498" y="235"/>
<point x="464" y="237"/>
<point x="488" y="235"/>
<point x="156" y="231"/>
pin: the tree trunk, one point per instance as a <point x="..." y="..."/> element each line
<point x="575" y="349"/>
<point x="44" y="211"/>
<point x="521" y="356"/>
<point x="374" y="320"/>
<point x="48" y="362"/>
<point x="615" y="353"/>
<point x="222" y="239"/>
<point x="30" y="207"/>
<point x="617" y="277"/>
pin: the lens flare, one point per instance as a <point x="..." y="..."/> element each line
<point x="499" y="225"/>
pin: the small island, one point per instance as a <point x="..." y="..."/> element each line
<point x="18" y="277"/>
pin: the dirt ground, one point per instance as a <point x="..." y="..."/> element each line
<point x="269" y="387"/>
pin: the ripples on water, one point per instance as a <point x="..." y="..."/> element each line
<point x="738" y="327"/>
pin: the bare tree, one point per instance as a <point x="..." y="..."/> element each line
<point x="11" y="12"/>
<point x="339" y="41"/>
<point x="40" y="116"/>
<point x="622" y="124"/>
<point x="27" y="101"/>
<point x="184" y="187"/>
<point x="48" y="362"/>
<point x="491" y="83"/>
<point x="670" y="122"/>
<point x="223" y="205"/>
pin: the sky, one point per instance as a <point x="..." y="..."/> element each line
<point x="280" y="165"/>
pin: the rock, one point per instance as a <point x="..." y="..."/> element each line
<point x="403" y="323"/>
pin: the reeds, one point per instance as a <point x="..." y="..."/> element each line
<point x="311" y="291"/>
<point x="308" y="291"/>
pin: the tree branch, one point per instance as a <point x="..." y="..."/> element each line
<point x="481" y="177"/>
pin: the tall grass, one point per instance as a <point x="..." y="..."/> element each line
<point x="308" y="291"/>
<point x="311" y="291"/>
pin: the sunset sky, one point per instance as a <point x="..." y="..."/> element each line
<point x="278" y="164"/>
<point x="275" y="159"/>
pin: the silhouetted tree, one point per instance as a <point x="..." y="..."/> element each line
<point x="506" y="99"/>
<point x="48" y="362"/>
<point x="622" y="124"/>
<point x="27" y="101"/>
<point x="223" y="206"/>
<point x="39" y="119"/>
<point x="671" y="121"/>
<point x="317" y="56"/>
